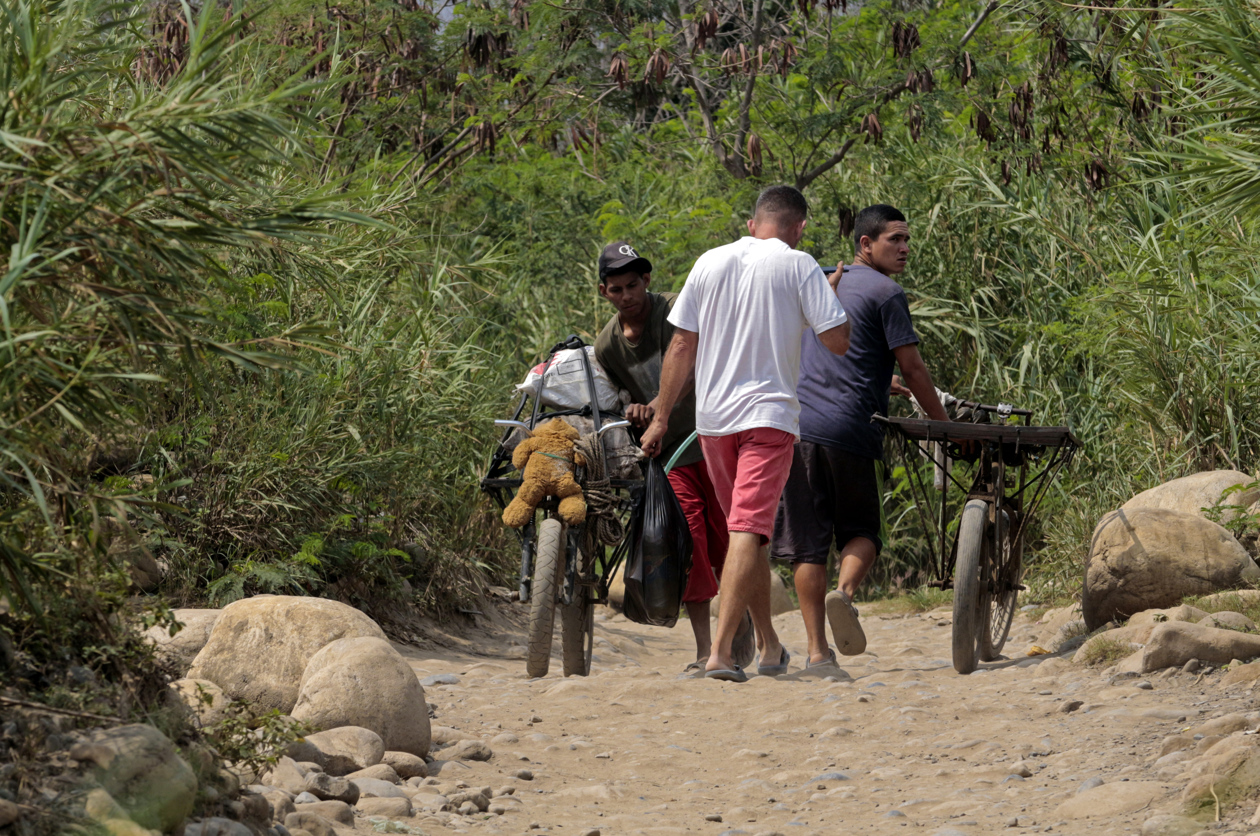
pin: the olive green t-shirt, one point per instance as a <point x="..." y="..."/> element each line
<point x="636" y="367"/>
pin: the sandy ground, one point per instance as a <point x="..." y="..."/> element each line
<point x="893" y="742"/>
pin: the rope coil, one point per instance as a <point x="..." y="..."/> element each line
<point x="601" y="500"/>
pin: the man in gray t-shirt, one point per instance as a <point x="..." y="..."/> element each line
<point x="832" y="493"/>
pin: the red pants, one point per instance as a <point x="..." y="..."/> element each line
<point x="749" y="469"/>
<point x="709" y="537"/>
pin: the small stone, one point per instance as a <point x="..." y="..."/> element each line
<point x="894" y="814"/>
<point x="391" y="808"/>
<point x="1012" y="822"/>
<point x="406" y="765"/>
<point x="717" y="817"/>
<point x="1144" y="685"/>
<point x="305" y="798"/>
<point x="502" y="791"/>
<point x="523" y="774"/>
<point x="469" y="750"/>
<point x="468" y="809"/>
<point x="594" y="831"/>
<point x="330" y="788"/>
<point x="338" y="812"/>
<point x="1192" y="666"/>
<point x="1089" y="784"/>
<point x="604" y="755"/>
<point x="1021" y="769"/>
<point x="1068" y="706"/>
<point x="440" y="679"/>
<point x="535" y="719"/>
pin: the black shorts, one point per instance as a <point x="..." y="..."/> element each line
<point x="831" y="494"/>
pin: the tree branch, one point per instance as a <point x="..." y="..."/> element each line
<point x="739" y="167"/>
<point x="993" y="4"/>
<point x="803" y="180"/>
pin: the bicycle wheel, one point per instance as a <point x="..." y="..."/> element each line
<point x="1000" y="594"/>
<point x="548" y="562"/>
<point x="577" y="620"/>
<point x="969" y="617"/>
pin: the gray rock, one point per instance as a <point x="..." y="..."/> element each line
<point x="363" y="681"/>
<point x="331" y="788"/>
<point x="1089" y="784"/>
<point x="474" y="797"/>
<point x="281" y="804"/>
<point x="259" y="647"/>
<point x="1068" y="706"/>
<point x="305" y="797"/>
<point x="393" y="808"/>
<point x="139" y="768"/>
<point x="1171" y="826"/>
<point x="405" y="765"/>
<point x="440" y="679"/>
<point x="1176" y="643"/>
<point x="1144" y="685"/>
<point x="374" y="788"/>
<point x="179" y="650"/>
<point x="469" y="750"/>
<point x="347" y="749"/>
<point x="310" y="822"/>
<point x="380" y="772"/>
<point x="829" y="776"/>
<point x="337" y="812"/>
<point x="217" y="827"/>
<point x="523" y="774"/>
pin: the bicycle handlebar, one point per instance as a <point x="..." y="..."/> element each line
<point x="1000" y="409"/>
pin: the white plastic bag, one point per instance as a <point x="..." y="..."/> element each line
<point x="565" y="385"/>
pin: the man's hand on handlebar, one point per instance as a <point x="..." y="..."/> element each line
<point x="897" y="387"/>
<point x="641" y="414"/>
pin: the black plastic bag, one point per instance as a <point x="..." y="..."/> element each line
<point x="660" y="553"/>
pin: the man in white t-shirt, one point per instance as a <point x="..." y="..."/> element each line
<point x="738" y="324"/>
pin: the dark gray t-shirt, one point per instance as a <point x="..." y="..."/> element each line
<point x="838" y="395"/>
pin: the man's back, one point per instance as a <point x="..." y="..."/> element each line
<point x="839" y="394"/>
<point x="750" y="301"/>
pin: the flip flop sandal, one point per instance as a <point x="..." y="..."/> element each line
<point x="735" y="674"/>
<point x="776" y="670"/>
<point x="694" y="670"/>
<point x="825" y="663"/>
<point x="845" y="627"/>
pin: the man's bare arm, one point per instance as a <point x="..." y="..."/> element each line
<point x="677" y="375"/>
<point x="919" y="381"/>
<point x="836" y="339"/>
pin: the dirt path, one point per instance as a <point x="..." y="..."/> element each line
<point x="896" y="743"/>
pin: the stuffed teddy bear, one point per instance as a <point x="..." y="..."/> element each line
<point x="546" y="460"/>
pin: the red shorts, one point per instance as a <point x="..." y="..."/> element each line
<point x="709" y="537"/>
<point x="749" y="470"/>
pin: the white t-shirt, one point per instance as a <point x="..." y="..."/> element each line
<point x="750" y="302"/>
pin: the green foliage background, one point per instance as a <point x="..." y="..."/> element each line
<point x="273" y="270"/>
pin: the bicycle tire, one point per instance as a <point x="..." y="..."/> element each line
<point x="548" y="562"/>
<point x="1001" y="596"/>
<point x="577" y="620"/>
<point x="968" y="616"/>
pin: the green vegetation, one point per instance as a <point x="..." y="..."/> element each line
<point x="1102" y="651"/>
<point x="273" y="270"/>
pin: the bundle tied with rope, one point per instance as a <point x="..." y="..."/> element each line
<point x="603" y="524"/>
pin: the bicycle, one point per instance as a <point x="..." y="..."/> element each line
<point x="561" y="566"/>
<point x="985" y="563"/>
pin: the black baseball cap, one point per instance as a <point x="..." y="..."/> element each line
<point x="620" y="257"/>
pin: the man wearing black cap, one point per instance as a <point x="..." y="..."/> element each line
<point x="631" y="349"/>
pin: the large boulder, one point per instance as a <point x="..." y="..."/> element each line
<point x="180" y="649"/>
<point x="260" y="647"/>
<point x="365" y="682"/>
<point x="1146" y="559"/>
<point x="138" y="767"/>
<point x="1191" y="494"/>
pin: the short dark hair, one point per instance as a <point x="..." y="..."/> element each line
<point x="785" y="204"/>
<point x="872" y="221"/>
